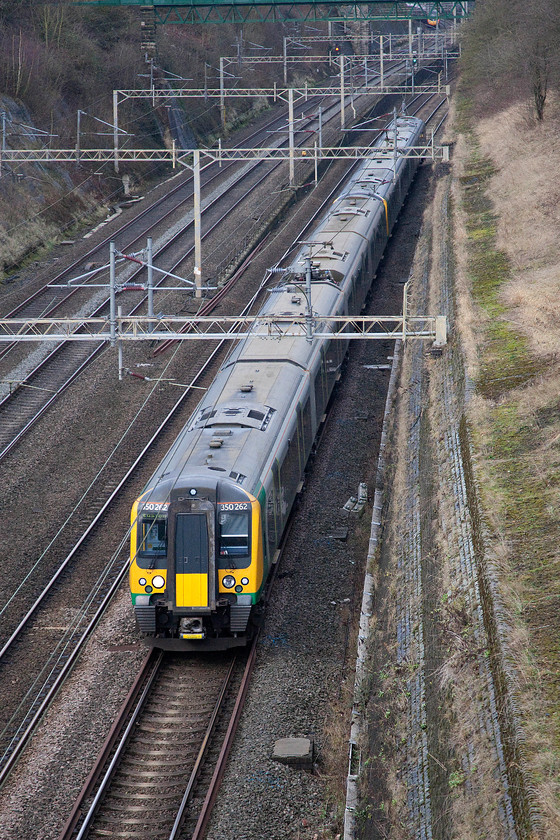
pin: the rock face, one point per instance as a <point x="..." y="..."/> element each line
<point x="37" y="201"/>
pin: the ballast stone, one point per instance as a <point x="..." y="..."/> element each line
<point x="297" y="752"/>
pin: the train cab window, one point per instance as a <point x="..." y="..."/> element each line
<point x="234" y="543"/>
<point x="152" y="540"/>
<point x="191" y="544"/>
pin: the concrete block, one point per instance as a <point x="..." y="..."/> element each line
<point x="297" y="752"/>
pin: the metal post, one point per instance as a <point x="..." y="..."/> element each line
<point x="116" y="131"/>
<point x="285" y="61"/>
<point x="308" y="307"/>
<point x="197" y="238"/>
<point x="112" y="294"/>
<point x="390" y="46"/>
<point x="315" y="154"/>
<point x="220" y="152"/>
<point x="381" y="80"/>
<point x="119" y="346"/>
<point x="410" y="37"/>
<point x="365" y="70"/>
<point x="395" y="141"/>
<point x="342" y="119"/>
<point x="239" y="42"/>
<point x="3" y="140"/>
<point x="149" y="254"/>
<point x="352" y="88"/>
<point x="405" y="310"/>
<point x="320" y="128"/>
<point x="174" y="153"/>
<point x="291" y="132"/>
<point x="78" y="136"/>
<point x="222" y="93"/>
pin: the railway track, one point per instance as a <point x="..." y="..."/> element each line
<point x="97" y="579"/>
<point x="39" y="388"/>
<point x="65" y="655"/>
<point x="158" y="771"/>
<point x="102" y="579"/>
<point x="80" y="575"/>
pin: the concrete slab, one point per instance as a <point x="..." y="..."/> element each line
<point x="339" y="534"/>
<point x="297" y="752"/>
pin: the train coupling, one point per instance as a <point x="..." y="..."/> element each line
<point x="191" y="628"/>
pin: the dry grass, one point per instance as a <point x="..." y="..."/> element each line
<point x="526" y="198"/>
<point x="516" y="426"/>
<point x="33" y="217"/>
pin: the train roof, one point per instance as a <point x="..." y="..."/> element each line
<point x="241" y="416"/>
<point x="241" y="419"/>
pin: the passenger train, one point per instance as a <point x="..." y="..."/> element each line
<point x="207" y="528"/>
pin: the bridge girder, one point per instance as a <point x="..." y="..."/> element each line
<point x="264" y="11"/>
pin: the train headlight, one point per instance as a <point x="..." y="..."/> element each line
<point x="228" y="581"/>
<point x="245" y="581"/>
<point x="142" y="581"/>
<point x="158" y="582"/>
<point x="147" y="589"/>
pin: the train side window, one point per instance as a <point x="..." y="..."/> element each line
<point x="307" y="427"/>
<point x="290" y="473"/>
<point x="320" y="390"/>
<point x="152" y="540"/>
<point x="273" y="511"/>
<point x="234" y="543"/>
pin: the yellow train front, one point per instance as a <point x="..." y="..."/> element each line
<point x="196" y="573"/>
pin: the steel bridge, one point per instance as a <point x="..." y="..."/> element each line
<point x="294" y="11"/>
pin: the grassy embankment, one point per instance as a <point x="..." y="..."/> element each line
<point x="510" y="310"/>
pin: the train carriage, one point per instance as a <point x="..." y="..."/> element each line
<point x="206" y="529"/>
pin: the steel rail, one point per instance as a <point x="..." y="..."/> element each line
<point x="204" y="747"/>
<point x="56" y="394"/>
<point x="107" y="777"/>
<point x="219" y="770"/>
<point x="123" y="714"/>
